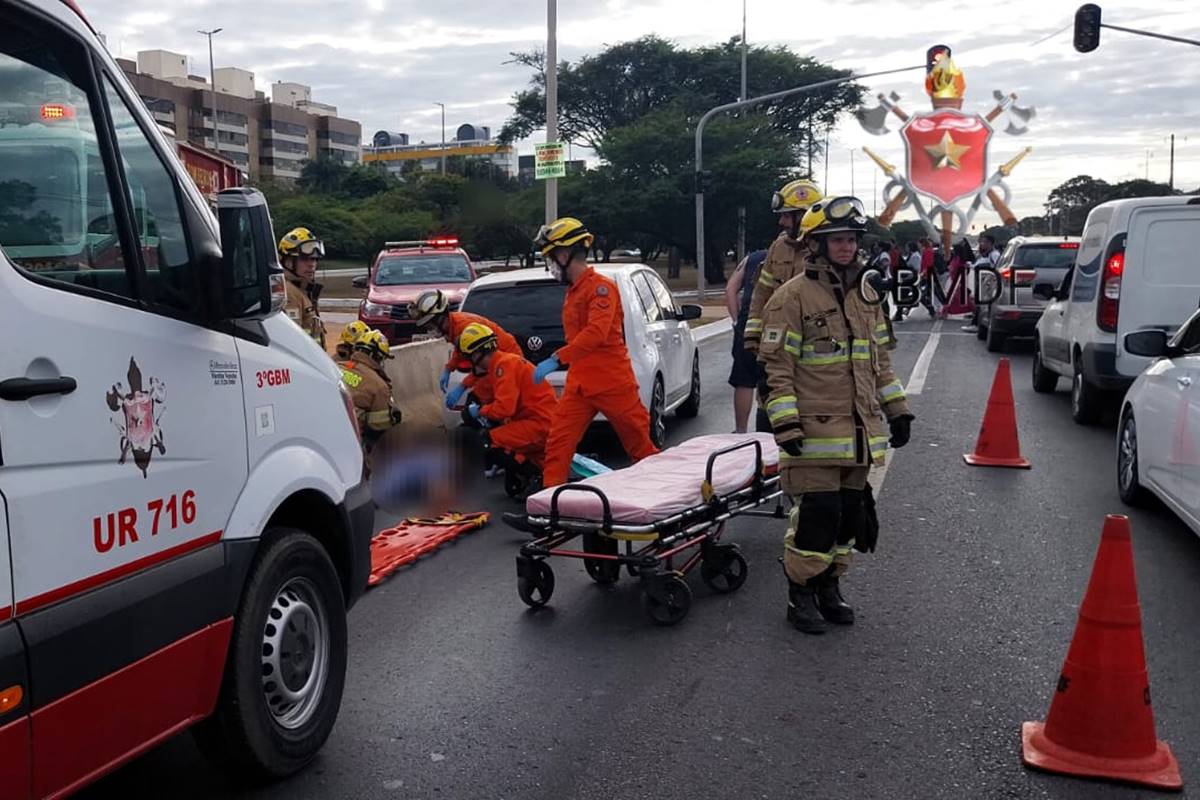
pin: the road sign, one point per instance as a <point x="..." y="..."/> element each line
<point x="550" y="161"/>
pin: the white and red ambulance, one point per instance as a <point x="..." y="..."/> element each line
<point x="183" y="520"/>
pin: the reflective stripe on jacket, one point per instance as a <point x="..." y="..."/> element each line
<point x="371" y="396"/>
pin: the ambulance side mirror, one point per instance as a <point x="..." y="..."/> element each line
<point x="251" y="284"/>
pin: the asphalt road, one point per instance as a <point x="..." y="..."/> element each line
<point x="455" y="690"/>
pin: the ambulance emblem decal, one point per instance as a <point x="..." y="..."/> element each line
<point x="137" y="412"/>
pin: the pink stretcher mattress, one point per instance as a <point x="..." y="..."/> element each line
<point x="665" y="484"/>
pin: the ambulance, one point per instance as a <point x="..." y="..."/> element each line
<point x="183" y="518"/>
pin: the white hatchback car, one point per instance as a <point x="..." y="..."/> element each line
<point x="1158" y="444"/>
<point x="528" y="304"/>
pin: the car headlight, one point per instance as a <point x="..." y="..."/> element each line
<point x="370" y="309"/>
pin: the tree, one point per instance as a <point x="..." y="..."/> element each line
<point x="628" y="81"/>
<point x="1070" y="202"/>
<point x="366" y="180"/>
<point x="322" y="176"/>
<point x="907" y="231"/>
<point x="1034" y="226"/>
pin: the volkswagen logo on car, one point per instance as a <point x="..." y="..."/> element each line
<point x="535" y="343"/>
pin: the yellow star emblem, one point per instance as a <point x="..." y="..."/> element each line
<point x="946" y="153"/>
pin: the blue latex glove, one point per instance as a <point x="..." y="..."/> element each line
<point x="544" y="368"/>
<point x="444" y="381"/>
<point x="473" y="410"/>
<point x="455" y="396"/>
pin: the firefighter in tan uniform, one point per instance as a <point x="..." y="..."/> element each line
<point x="350" y="336"/>
<point x="370" y="393"/>
<point x="299" y="253"/>
<point x="785" y="257"/>
<point x="826" y="351"/>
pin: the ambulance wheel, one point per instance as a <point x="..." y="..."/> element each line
<point x="667" y="600"/>
<point x="536" y="585"/>
<point x="724" y="573"/>
<point x="286" y="665"/>
<point x="691" y="407"/>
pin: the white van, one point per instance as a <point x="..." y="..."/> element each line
<point x="183" y="520"/>
<point x="1138" y="268"/>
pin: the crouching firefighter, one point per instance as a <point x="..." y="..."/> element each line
<point x="369" y="391"/>
<point x="517" y="421"/>
<point x="825" y="348"/>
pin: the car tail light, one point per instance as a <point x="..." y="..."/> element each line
<point x="1109" y="307"/>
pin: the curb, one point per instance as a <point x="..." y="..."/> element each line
<point x="712" y="329"/>
<point x="340" y="303"/>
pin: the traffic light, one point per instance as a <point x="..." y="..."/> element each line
<point x="1087" y="28"/>
<point x="703" y="181"/>
<point x="931" y="56"/>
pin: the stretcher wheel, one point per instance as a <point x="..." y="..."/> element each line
<point x="724" y="573"/>
<point x="514" y="484"/>
<point x="536" y="586"/>
<point x="667" y="600"/>
<point x="602" y="572"/>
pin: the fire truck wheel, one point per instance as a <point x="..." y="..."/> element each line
<point x="287" y="661"/>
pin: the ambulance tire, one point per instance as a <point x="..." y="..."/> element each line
<point x="245" y="733"/>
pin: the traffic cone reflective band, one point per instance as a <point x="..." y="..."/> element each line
<point x="1100" y="723"/>
<point x="998" y="445"/>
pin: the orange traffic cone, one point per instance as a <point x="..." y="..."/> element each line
<point x="1100" y="724"/>
<point x="998" y="445"/>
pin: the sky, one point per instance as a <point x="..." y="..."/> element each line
<point x="387" y="62"/>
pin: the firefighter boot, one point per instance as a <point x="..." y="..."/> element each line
<point x="829" y="600"/>
<point x="802" y="610"/>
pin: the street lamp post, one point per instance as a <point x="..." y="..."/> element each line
<point x="741" y="240"/>
<point x="212" y="76"/>
<point x="551" y="101"/>
<point x="443" y="107"/>
<point x="766" y="98"/>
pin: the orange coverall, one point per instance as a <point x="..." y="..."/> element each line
<point x="599" y="379"/>
<point x="523" y="408"/>
<point x="506" y="343"/>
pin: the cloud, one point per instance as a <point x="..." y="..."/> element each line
<point x="386" y="62"/>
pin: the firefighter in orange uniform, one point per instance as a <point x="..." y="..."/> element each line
<point x="599" y="373"/>
<point x="519" y="418"/>
<point x="431" y="311"/>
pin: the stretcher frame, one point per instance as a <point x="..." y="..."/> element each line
<point x="666" y="595"/>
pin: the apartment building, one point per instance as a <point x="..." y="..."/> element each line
<point x="268" y="138"/>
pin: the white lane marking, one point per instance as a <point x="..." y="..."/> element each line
<point x="916" y="382"/>
<point x="879" y="474"/>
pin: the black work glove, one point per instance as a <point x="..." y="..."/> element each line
<point x="901" y="427"/>
<point x="866" y="539"/>
<point x="793" y="447"/>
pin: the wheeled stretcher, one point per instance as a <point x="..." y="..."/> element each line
<point x="658" y="509"/>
